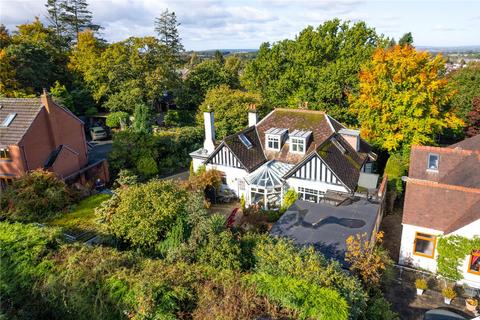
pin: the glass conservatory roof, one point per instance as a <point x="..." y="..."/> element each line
<point x="269" y="175"/>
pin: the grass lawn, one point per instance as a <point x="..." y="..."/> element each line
<point x="82" y="217"/>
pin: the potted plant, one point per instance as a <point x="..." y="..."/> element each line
<point x="471" y="304"/>
<point x="421" y="285"/>
<point x="448" y="295"/>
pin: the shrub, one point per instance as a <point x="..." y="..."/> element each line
<point x="117" y="119"/>
<point x="421" y="284"/>
<point x="36" y="196"/>
<point x="143" y="214"/>
<point x="126" y="178"/>
<point x="449" y="293"/>
<point x="308" y="299"/>
<point x="379" y="309"/>
<point x="395" y="169"/>
<point x="288" y="199"/>
<point x="147" y="166"/>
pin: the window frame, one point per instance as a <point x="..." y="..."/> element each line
<point x="303" y="192"/>
<point x="275" y="138"/>
<point x="5" y="151"/>
<point x="434" y="240"/>
<point x="299" y="141"/>
<point x="428" y="161"/>
<point x="470" y="262"/>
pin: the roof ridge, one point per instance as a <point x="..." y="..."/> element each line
<point x="300" y="110"/>
<point x="442" y="185"/>
<point x="446" y="149"/>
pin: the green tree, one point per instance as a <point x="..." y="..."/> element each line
<point x="403" y="99"/>
<point x="35" y="196"/>
<point x="166" y="28"/>
<point x="406" y="39"/>
<point x="5" y="38"/>
<point x="231" y="109"/>
<point x="320" y="66"/>
<point x="466" y="83"/>
<point x="54" y="10"/>
<point x="75" y="17"/>
<point x="142" y="116"/>
<point x="142" y="214"/>
<point x="208" y="75"/>
<point x="61" y="96"/>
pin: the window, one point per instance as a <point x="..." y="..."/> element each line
<point x="424" y="245"/>
<point x="245" y="141"/>
<point x="474" y="263"/>
<point x="310" y="195"/>
<point x="4" y="154"/>
<point x="297" y="145"/>
<point x="433" y="161"/>
<point x="6" y="122"/>
<point x="273" y="142"/>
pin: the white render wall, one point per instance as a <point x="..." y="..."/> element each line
<point x="407" y="257"/>
<point x="232" y="175"/>
<point x="317" y="185"/>
<point x="197" y="163"/>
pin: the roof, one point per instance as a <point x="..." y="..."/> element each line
<point x="26" y="110"/>
<point x="269" y="175"/>
<point x="440" y="206"/>
<point x="251" y="157"/>
<point x="344" y="161"/>
<point x="327" y="227"/>
<point x="456" y="166"/>
<point x="472" y="143"/>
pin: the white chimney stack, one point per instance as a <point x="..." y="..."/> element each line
<point x="252" y="115"/>
<point x="352" y="137"/>
<point x="209" y="144"/>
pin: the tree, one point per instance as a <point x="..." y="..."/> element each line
<point x="473" y="119"/>
<point x="466" y="82"/>
<point x="320" y="66"/>
<point x="142" y="116"/>
<point x="208" y="75"/>
<point x="54" y="10"/>
<point x="35" y="196"/>
<point x="166" y="28"/>
<point x="142" y="214"/>
<point x="406" y="39"/>
<point x="61" y="96"/>
<point x="231" y="109"/>
<point x="75" y="17"/>
<point x="5" y="37"/>
<point x="367" y="260"/>
<point x="403" y="99"/>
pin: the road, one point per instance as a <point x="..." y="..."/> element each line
<point x="100" y="150"/>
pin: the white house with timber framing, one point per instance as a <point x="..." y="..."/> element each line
<point x="290" y="148"/>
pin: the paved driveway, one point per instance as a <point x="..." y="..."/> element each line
<point x="100" y="150"/>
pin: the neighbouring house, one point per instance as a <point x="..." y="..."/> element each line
<point x="442" y="198"/>
<point x="38" y="133"/>
<point x="306" y="150"/>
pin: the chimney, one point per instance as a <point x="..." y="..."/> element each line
<point x="208" y="144"/>
<point x="48" y="103"/>
<point x="352" y="137"/>
<point x="252" y="115"/>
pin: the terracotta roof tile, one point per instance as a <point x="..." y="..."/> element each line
<point x="26" y="109"/>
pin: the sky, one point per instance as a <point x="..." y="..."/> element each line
<point x="245" y="24"/>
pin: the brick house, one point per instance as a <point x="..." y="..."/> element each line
<point x="442" y="198"/>
<point x="38" y="133"/>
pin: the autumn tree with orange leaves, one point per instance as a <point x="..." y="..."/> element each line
<point x="403" y="99"/>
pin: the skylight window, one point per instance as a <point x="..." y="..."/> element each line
<point x="245" y="141"/>
<point x="338" y="145"/>
<point x="8" y="120"/>
<point x="433" y="161"/>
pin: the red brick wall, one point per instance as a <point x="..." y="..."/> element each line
<point x="66" y="163"/>
<point x="15" y="166"/>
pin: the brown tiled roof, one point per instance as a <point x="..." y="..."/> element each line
<point x="295" y="119"/>
<point x="456" y="166"/>
<point x="472" y="143"/>
<point x="250" y="158"/>
<point x="26" y="110"/>
<point x="346" y="165"/>
<point x="440" y="206"/>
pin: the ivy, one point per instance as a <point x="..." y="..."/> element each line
<point x="452" y="250"/>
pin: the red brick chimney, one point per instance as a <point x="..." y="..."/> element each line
<point x="48" y="103"/>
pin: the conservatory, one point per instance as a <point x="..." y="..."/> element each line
<point x="265" y="184"/>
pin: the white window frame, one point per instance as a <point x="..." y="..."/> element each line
<point x="296" y="142"/>
<point x="430" y="155"/>
<point x="273" y="138"/>
<point x="312" y="192"/>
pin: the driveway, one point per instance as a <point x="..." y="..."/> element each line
<point x="99" y="150"/>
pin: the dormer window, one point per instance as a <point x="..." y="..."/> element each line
<point x="274" y="138"/>
<point x="433" y="161"/>
<point x="297" y="145"/>
<point x="298" y="141"/>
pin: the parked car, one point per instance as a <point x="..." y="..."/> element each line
<point x="442" y="314"/>
<point x="98" y="133"/>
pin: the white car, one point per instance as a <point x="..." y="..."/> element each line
<point x="98" y="133"/>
